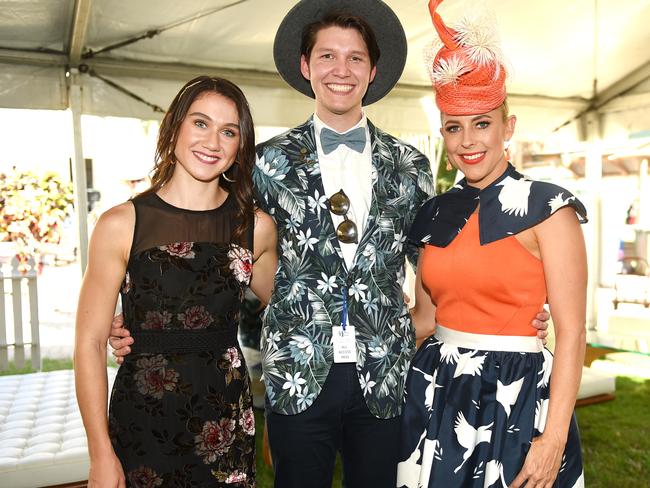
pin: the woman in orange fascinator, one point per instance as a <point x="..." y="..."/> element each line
<point x="485" y="406"/>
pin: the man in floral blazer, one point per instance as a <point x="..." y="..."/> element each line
<point x="315" y="405"/>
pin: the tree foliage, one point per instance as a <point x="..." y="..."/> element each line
<point x="444" y="178"/>
<point x="32" y="209"/>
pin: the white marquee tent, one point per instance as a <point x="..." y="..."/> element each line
<point x="559" y="50"/>
<point x="581" y="68"/>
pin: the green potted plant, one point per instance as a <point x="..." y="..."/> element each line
<point x="32" y="210"/>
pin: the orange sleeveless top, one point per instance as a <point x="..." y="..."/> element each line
<point x="495" y="289"/>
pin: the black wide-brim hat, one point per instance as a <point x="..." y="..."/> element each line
<point x="383" y="21"/>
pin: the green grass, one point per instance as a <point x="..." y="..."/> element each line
<point x="264" y="473"/>
<point x="48" y="365"/>
<point x="615" y="437"/>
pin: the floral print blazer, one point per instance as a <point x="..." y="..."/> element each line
<point x="312" y="275"/>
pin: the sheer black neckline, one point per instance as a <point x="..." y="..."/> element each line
<point x="159" y="223"/>
<point x="189" y="210"/>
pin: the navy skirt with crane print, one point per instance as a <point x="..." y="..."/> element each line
<point x="474" y="402"/>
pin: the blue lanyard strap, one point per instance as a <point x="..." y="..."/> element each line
<point x="344" y="316"/>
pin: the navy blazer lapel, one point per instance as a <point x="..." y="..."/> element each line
<point x="301" y="147"/>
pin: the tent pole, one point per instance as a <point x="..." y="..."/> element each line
<point x="592" y="132"/>
<point x="643" y="222"/>
<point x="81" y="198"/>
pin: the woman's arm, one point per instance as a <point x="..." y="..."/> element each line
<point x="265" y="241"/>
<point x="107" y="259"/>
<point x="562" y="249"/>
<point x="423" y="313"/>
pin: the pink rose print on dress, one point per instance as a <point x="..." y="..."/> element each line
<point x="215" y="439"/>
<point x="241" y="263"/>
<point x="156" y="320"/>
<point x="195" y="317"/>
<point x="144" y="477"/>
<point x="180" y="249"/>
<point x="247" y="421"/>
<point x="235" y="477"/>
<point x="232" y="356"/>
<point x="153" y="378"/>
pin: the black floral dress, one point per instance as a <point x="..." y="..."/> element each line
<point x="181" y="410"/>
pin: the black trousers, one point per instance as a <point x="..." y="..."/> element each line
<point x="304" y="446"/>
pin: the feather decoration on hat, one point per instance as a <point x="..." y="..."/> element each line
<point x="429" y="55"/>
<point x="480" y="36"/>
<point x="449" y="70"/>
<point x="468" y="73"/>
<point x="476" y="36"/>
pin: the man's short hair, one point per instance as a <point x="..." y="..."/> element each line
<point x="345" y="21"/>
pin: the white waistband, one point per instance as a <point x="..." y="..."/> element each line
<point x="488" y="342"/>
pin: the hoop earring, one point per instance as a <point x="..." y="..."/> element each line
<point x="225" y="176"/>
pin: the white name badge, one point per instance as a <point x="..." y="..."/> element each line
<point x="345" y="344"/>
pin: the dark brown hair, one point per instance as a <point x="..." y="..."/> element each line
<point x="345" y="21"/>
<point x="241" y="172"/>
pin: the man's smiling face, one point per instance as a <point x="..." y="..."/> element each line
<point x="339" y="70"/>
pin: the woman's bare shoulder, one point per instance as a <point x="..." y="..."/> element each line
<point x="116" y="226"/>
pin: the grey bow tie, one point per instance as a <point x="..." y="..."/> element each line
<point x="354" y="139"/>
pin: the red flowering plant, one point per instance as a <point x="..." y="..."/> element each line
<point x="32" y="210"/>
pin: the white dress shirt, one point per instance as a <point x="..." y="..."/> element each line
<point x="348" y="170"/>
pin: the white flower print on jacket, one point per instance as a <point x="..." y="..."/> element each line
<point x="313" y="282"/>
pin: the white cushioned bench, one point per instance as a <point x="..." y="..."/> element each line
<point x="42" y="439"/>
<point x="595" y="387"/>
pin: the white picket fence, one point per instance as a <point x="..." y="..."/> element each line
<point x="15" y="285"/>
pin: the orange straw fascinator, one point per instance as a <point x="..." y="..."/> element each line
<point x="467" y="71"/>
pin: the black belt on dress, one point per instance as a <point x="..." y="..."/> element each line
<point x="183" y="341"/>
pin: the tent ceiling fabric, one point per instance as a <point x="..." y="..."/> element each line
<point x="550" y="44"/>
<point x="42" y="24"/>
<point x="24" y="86"/>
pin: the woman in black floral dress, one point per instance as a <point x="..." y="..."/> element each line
<point x="181" y="254"/>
